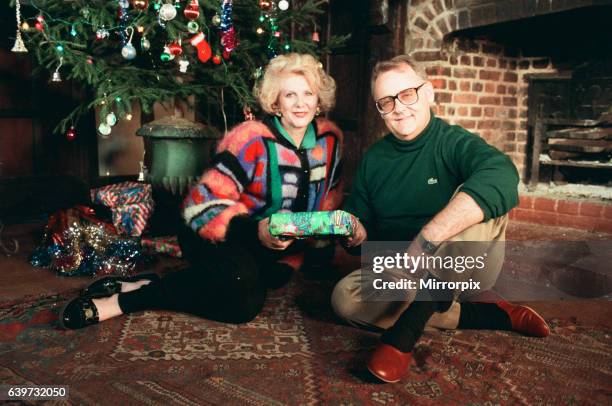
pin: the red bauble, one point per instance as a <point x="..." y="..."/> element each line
<point x="71" y="134"/>
<point x="175" y="48"/>
<point x="226" y="55"/>
<point x="216" y="60"/>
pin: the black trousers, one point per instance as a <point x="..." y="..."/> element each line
<point x="225" y="282"/>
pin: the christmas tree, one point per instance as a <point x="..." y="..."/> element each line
<point x="138" y="52"/>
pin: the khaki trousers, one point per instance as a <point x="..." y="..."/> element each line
<point x="348" y="303"/>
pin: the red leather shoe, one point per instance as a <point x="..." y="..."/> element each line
<point x="525" y="320"/>
<point x="389" y="364"/>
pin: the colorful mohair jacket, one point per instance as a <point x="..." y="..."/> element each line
<point x="257" y="172"/>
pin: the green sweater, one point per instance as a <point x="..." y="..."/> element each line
<point x="401" y="185"/>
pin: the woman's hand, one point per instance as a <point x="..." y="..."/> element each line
<point x="358" y="237"/>
<point x="269" y="241"/>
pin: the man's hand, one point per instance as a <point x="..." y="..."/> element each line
<point x="358" y="237"/>
<point x="269" y="241"/>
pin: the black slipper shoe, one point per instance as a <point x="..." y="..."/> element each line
<point x="78" y="313"/>
<point x="110" y="285"/>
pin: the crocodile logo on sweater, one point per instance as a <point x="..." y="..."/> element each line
<point x="432" y="181"/>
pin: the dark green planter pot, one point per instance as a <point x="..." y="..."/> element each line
<point x="178" y="150"/>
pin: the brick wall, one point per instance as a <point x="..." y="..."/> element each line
<point x="586" y="215"/>
<point x="480" y="84"/>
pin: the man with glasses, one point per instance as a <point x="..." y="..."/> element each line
<point x="435" y="185"/>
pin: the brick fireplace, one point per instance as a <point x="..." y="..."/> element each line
<point x="481" y="56"/>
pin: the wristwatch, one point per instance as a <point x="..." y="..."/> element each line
<point x="427" y="246"/>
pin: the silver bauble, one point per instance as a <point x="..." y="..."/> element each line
<point x="128" y="51"/>
<point x="104" y="129"/>
<point x="167" y="12"/>
<point x="145" y="44"/>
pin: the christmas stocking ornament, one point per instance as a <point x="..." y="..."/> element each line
<point x="204" y="51"/>
<point x="192" y="11"/>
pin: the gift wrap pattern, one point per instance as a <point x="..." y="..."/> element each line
<point x="168" y="245"/>
<point x="131" y="204"/>
<point x="312" y="224"/>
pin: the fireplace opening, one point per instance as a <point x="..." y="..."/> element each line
<point x="561" y="132"/>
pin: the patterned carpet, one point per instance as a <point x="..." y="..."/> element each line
<point x="293" y="353"/>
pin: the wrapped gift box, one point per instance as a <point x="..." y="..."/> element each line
<point x="131" y="205"/>
<point x="312" y="224"/>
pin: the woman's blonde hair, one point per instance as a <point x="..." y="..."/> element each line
<point x="267" y="90"/>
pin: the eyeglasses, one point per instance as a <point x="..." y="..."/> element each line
<point x="385" y="105"/>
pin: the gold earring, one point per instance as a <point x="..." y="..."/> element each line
<point x="278" y="113"/>
<point x="318" y="111"/>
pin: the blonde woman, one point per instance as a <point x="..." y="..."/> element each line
<point x="289" y="161"/>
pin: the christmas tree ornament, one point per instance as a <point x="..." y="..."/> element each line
<point x="140" y="29"/>
<point x="140" y="4"/>
<point x="128" y="116"/>
<point x="111" y="119"/>
<point x="193" y="27"/>
<point x="183" y="64"/>
<point x="19" y="46"/>
<point x="217" y="59"/>
<point x="25" y="26"/>
<point x="167" y="12"/>
<point x="259" y="30"/>
<point x="128" y="51"/>
<point x="228" y="33"/>
<point x="71" y="134"/>
<point x="166" y="55"/>
<point x="104" y="130"/>
<point x="192" y="11"/>
<point x="40" y="21"/>
<point x="283" y="5"/>
<point x="124" y="16"/>
<point x="203" y="47"/>
<point x="265" y="5"/>
<point x="73" y="31"/>
<point x="175" y="48"/>
<point x="315" y="37"/>
<point x="101" y="33"/>
<point x="226" y="15"/>
<point x="216" y="20"/>
<point x="145" y="44"/>
<point x="56" y="77"/>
